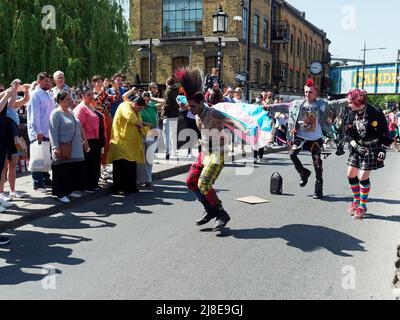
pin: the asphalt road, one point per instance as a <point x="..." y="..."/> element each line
<point x="147" y="246"/>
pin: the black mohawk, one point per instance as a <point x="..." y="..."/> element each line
<point x="191" y="80"/>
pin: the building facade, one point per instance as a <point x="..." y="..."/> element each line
<point x="296" y="44"/>
<point x="180" y="33"/>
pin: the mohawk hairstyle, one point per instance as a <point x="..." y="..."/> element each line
<point x="191" y="81"/>
<point x="310" y="83"/>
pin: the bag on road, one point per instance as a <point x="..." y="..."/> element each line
<point x="40" y="157"/>
<point x="276" y="183"/>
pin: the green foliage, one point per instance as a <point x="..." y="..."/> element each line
<point x="382" y="100"/>
<point x="91" y="37"/>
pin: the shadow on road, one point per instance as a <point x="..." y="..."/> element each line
<point x="307" y="238"/>
<point x="29" y="253"/>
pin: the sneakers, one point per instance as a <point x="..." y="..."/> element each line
<point x="359" y="213"/>
<point x="64" y="200"/>
<point x="4" y="241"/>
<point x="353" y="208"/>
<point x="304" y="178"/>
<point x="318" y="192"/>
<point x="75" y="194"/>
<point x="41" y="190"/>
<point x="16" y="195"/>
<point x="4" y="198"/>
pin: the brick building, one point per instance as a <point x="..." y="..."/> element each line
<point x="181" y="34"/>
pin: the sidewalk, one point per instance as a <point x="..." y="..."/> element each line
<point x="36" y="204"/>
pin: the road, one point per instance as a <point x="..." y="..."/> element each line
<point x="147" y="246"/>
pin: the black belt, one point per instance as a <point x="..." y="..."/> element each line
<point x="44" y="139"/>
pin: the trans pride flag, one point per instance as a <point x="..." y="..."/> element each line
<point x="254" y="118"/>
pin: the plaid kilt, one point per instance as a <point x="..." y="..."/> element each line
<point x="367" y="162"/>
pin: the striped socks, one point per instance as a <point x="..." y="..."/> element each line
<point x="365" y="187"/>
<point x="355" y="188"/>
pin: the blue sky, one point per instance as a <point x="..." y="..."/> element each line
<point x="377" y="22"/>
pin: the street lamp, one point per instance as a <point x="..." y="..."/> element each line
<point x="220" y="28"/>
<point x="148" y="49"/>
<point x="365" y="50"/>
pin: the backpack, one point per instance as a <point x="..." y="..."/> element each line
<point x="276" y="183"/>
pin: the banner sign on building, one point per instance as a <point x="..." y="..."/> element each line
<point x="379" y="79"/>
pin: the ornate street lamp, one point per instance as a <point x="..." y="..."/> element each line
<point x="220" y="28"/>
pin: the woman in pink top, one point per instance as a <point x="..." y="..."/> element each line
<point x="393" y="124"/>
<point x="90" y="123"/>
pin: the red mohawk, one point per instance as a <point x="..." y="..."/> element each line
<point x="191" y="81"/>
<point x="310" y="83"/>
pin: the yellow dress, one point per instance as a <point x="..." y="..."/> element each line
<point x="126" y="137"/>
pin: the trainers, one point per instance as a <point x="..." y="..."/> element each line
<point x="353" y="207"/>
<point x="41" y="190"/>
<point x="304" y="178"/>
<point x="5" y="204"/>
<point x="4" y="198"/>
<point x="4" y="241"/>
<point x="16" y="195"/>
<point x="359" y="213"/>
<point x="2" y="209"/>
<point x="64" y="199"/>
<point x="75" y="194"/>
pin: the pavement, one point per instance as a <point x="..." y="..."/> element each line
<point x="35" y="204"/>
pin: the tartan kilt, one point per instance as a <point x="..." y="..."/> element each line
<point x="369" y="161"/>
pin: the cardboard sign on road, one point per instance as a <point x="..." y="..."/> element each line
<point x="252" y="200"/>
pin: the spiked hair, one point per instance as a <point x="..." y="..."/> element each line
<point x="191" y="81"/>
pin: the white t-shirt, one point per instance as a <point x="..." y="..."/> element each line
<point x="310" y="128"/>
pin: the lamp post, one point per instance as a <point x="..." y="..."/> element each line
<point x="220" y="28"/>
<point x="365" y="50"/>
<point x="248" y="45"/>
<point x="148" y="48"/>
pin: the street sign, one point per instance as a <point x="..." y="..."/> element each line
<point x="240" y="77"/>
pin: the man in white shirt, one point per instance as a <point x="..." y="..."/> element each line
<point x="38" y="119"/>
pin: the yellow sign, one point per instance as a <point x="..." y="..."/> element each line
<point x="383" y="78"/>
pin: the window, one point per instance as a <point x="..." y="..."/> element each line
<point x="144" y="70"/>
<point x="290" y="80"/>
<point x="291" y="43"/>
<point x="309" y="51"/>
<point x="298" y="47"/>
<point x="267" y="68"/>
<point x="179" y="62"/>
<point x="211" y="62"/>
<point x="182" y="18"/>
<point x="265" y="34"/>
<point x="297" y="81"/>
<point x="305" y="48"/>
<point x="257" y="71"/>
<point x="255" y="29"/>
<point x="244" y="24"/>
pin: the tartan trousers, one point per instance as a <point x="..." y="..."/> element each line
<point x="202" y="176"/>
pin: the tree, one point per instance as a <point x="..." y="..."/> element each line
<point x="90" y="37"/>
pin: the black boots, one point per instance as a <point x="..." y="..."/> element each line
<point x="222" y="218"/>
<point x="304" y="177"/>
<point x="318" y="194"/>
<point x="208" y="215"/>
